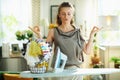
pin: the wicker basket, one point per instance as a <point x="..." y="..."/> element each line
<point x="36" y="70"/>
<point x="40" y="67"/>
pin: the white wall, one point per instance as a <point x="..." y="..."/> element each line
<point x="86" y="14"/>
<point x="85" y="11"/>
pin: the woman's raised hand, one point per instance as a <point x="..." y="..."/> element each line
<point x="36" y="30"/>
<point x="94" y="30"/>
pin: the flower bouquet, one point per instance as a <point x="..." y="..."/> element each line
<point x="52" y="26"/>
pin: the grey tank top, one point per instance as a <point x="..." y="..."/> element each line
<point x="71" y="44"/>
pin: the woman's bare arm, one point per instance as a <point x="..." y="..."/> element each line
<point x="50" y="37"/>
<point x="89" y="44"/>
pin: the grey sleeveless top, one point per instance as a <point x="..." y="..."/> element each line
<point x="71" y="44"/>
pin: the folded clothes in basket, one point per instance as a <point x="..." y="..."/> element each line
<point x="38" y="51"/>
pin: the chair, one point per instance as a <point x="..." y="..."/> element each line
<point x="14" y="77"/>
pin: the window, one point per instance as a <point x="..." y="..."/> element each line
<point x="15" y="15"/>
<point x="109" y="8"/>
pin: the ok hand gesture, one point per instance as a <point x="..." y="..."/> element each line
<point x="94" y="31"/>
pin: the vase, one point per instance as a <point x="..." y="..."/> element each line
<point x="116" y="65"/>
<point x="24" y="48"/>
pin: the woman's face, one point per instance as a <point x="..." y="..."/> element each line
<point x="66" y="14"/>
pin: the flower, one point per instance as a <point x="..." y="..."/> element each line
<point x="52" y="26"/>
<point x="22" y="35"/>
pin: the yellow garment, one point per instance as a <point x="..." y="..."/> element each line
<point x="34" y="49"/>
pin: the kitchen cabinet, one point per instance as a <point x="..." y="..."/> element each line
<point x="13" y="64"/>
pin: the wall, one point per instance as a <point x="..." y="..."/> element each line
<point x="85" y="12"/>
<point x="35" y="12"/>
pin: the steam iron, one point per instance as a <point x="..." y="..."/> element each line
<point x="60" y="61"/>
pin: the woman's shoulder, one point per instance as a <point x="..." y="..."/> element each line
<point x="50" y="36"/>
<point x="52" y="29"/>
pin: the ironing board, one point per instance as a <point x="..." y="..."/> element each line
<point x="71" y="72"/>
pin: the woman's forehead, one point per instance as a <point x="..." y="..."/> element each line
<point x="66" y="9"/>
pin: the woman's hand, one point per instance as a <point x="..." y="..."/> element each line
<point x="87" y="48"/>
<point x="94" y="31"/>
<point x="36" y="30"/>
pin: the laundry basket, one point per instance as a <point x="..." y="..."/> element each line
<point x="40" y="67"/>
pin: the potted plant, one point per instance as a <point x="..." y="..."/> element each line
<point x="116" y="61"/>
<point x="22" y="36"/>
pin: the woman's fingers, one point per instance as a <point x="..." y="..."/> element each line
<point x="96" y="29"/>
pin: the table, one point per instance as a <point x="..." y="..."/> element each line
<point x="71" y="72"/>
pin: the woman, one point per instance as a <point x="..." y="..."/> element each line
<point x="68" y="38"/>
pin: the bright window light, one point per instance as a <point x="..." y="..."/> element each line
<point x="15" y="15"/>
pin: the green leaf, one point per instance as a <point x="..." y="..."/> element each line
<point x="115" y="59"/>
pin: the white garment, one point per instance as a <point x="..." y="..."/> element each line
<point x="30" y="59"/>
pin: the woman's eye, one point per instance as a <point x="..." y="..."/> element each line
<point x="63" y="14"/>
<point x="69" y="14"/>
